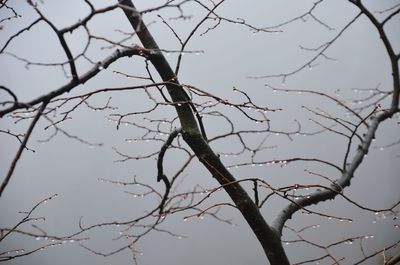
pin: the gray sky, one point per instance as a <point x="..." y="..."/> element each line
<point x="229" y="55"/>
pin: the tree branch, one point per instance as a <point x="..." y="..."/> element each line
<point x="268" y="237"/>
<point x="72" y="84"/>
<point x="389" y="49"/>
<point x="22" y="147"/>
<point x="161" y="175"/>
<point x="363" y="148"/>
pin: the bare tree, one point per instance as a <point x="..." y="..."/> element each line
<point x="187" y="134"/>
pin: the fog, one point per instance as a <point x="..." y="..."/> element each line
<point x="229" y="56"/>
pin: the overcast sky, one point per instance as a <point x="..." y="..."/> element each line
<point x="223" y="58"/>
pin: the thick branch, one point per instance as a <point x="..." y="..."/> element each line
<point x="156" y="57"/>
<point x="362" y="150"/>
<point x="72" y="84"/>
<point x="269" y="238"/>
<point x="341" y="183"/>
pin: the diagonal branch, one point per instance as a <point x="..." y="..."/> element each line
<point x="268" y="237"/>
<point x="72" y="84"/>
<point x="22" y="147"/>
